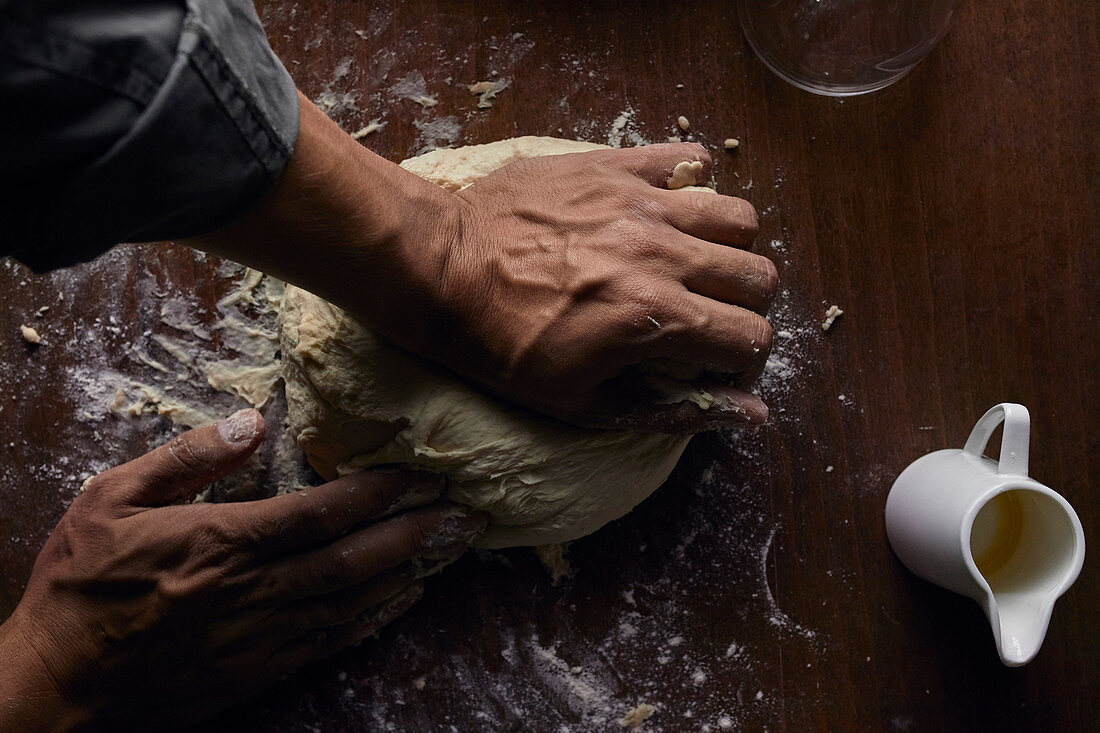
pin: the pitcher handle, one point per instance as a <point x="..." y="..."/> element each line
<point x="1014" y="440"/>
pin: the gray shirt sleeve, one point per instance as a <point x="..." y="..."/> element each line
<point x="134" y="120"/>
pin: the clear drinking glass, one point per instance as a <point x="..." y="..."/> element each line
<point x="841" y="48"/>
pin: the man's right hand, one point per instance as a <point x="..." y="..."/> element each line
<point x="142" y="611"/>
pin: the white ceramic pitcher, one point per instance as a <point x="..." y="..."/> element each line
<point x="982" y="528"/>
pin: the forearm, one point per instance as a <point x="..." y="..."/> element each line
<point x="29" y="698"/>
<point x="337" y="222"/>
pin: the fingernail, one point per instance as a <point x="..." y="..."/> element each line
<point x="459" y="525"/>
<point x="401" y="602"/>
<point x="240" y="427"/>
<point x="742" y="412"/>
<point x="432" y="562"/>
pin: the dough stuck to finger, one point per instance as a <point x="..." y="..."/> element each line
<point x="356" y="401"/>
<point x="685" y="174"/>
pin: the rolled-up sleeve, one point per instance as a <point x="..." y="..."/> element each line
<point x="134" y="120"/>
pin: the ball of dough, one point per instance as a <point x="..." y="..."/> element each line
<point x="356" y="401"/>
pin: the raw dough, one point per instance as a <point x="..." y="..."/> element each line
<point x="831" y="315"/>
<point x="685" y="174"/>
<point x="637" y="716"/>
<point x="356" y="401"/>
<point x="30" y="335"/>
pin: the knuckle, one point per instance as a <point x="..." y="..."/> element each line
<point x="647" y="300"/>
<point x="94" y="486"/>
<point x="209" y="538"/>
<point x="647" y="210"/>
<point x="103" y="490"/>
<point x="258" y="587"/>
<point x="256" y="530"/>
<point x="248" y="536"/>
<point x="618" y="160"/>
<point x="85" y="524"/>
<point x="172" y="590"/>
<point x="333" y="572"/>
<point x="94" y="493"/>
<point x="217" y="538"/>
<point x="645" y="245"/>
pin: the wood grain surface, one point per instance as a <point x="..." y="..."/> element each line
<point x="954" y="218"/>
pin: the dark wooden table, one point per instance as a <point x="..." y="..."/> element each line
<point x="954" y="218"/>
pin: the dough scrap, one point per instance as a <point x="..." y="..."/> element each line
<point x="831" y="315"/>
<point x="685" y="174"/>
<point x="29" y="334"/>
<point x="356" y="401"/>
<point x="635" y="717"/>
<point x="486" y="90"/>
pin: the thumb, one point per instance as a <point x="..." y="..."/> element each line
<point x="185" y="464"/>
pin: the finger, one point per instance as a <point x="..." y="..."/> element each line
<point x="184" y="465"/>
<point x="712" y="336"/>
<point x="729" y="275"/>
<point x="326" y="642"/>
<point x="645" y="401"/>
<point x="332" y="609"/>
<point x="655" y="164"/>
<point x="698" y="406"/>
<point x="320" y="514"/>
<point x="715" y="218"/>
<point x="435" y="530"/>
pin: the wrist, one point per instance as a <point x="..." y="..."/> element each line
<point x="341" y="222"/>
<point x="30" y="698"/>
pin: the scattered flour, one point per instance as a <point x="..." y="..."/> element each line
<point x="176" y="368"/>
<point x="623" y="132"/>
<point x="413" y="87"/>
<point x="437" y="133"/>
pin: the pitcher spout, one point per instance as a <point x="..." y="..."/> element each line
<point x="1019" y="626"/>
<point x="1027" y="547"/>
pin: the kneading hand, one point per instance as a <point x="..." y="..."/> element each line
<point x="557" y="282"/>
<point x="142" y="611"/>
<point x="567" y="277"/>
